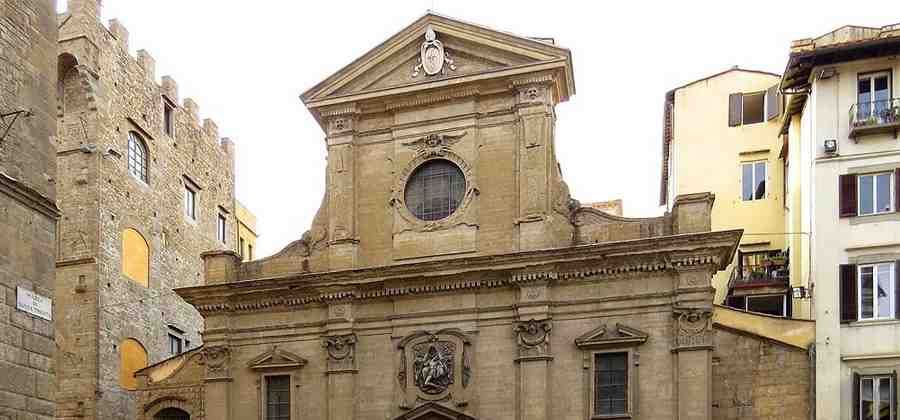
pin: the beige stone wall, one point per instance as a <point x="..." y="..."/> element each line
<point x="106" y="94"/>
<point x="756" y="378"/>
<point x="27" y="210"/>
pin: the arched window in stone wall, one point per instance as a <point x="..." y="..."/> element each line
<point x="135" y="257"/>
<point x="137" y="156"/>
<point x="172" y="414"/>
<point x="132" y="358"/>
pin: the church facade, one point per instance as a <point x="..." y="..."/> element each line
<point x="448" y="273"/>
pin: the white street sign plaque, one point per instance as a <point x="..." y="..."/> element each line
<point x="33" y="303"/>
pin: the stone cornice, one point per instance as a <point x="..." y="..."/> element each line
<point x="635" y="257"/>
<point x="28" y="196"/>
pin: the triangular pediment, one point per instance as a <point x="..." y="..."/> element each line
<point x="276" y="358"/>
<point x="470" y="50"/>
<point x="433" y="411"/>
<point x="618" y="335"/>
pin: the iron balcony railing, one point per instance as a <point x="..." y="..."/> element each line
<point x="873" y="116"/>
<point x="759" y="275"/>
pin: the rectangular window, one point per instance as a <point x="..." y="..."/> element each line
<point x="278" y="397"/>
<point x="875" y="193"/>
<point x="876" y="397"/>
<point x="168" y="118"/>
<point x="241" y="247"/>
<point x="768" y="304"/>
<point x="876" y="291"/>
<point x="753" y="180"/>
<point x="175" y="345"/>
<point x="873" y="96"/>
<point x="610" y="383"/>
<point x="190" y="202"/>
<point x="249" y="252"/>
<point x="754" y="108"/>
<point x="220" y="228"/>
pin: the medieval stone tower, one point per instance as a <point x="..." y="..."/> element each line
<point x="145" y="187"/>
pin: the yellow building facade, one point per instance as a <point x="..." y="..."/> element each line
<point x="246" y="222"/>
<point x="727" y="124"/>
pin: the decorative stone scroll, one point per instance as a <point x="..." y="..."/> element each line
<point x="218" y="362"/>
<point x="533" y="339"/>
<point x="341" y="353"/>
<point x="434" y="367"/>
<point x="693" y="329"/>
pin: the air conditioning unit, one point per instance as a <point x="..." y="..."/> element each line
<point x="830" y="146"/>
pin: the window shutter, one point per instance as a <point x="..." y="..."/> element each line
<point x="847" y="196"/>
<point x="897" y="289"/>
<point x="848" y="293"/>
<point x="894" y="388"/>
<point x="773" y="103"/>
<point x="897" y="190"/>
<point x="735" y="101"/>
<point x="855" y="396"/>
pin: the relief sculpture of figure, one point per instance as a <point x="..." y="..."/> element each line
<point x="433" y="369"/>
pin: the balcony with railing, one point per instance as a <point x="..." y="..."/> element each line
<point x="764" y="272"/>
<point x="875" y="117"/>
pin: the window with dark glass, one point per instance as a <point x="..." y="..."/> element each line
<point x="172" y="414"/>
<point x="753" y="181"/>
<point x="610" y="383"/>
<point x="278" y="397"/>
<point x="754" y="108"/>
<point x="137" y="156"/>
<point x="875" y="396"/>
<point x="435" y="190"/>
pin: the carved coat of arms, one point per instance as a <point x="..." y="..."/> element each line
<point x="432" y="56"/>
<point x="434" y="367"/>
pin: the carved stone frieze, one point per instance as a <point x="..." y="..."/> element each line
<point x="217" y="360"/>
<point x="533" y="339"/>
<point x="434" y="367"/>
<point x="693" y="329"/>
<point x="435" y="145"/>
<point x="341" y="353"/>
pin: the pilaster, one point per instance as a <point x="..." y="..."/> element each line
<point x="339" y="343"/>
<point x="343" y="240"/>
<point x="535" y="101"/>
<point x="217" y="387"/>
<point x="534" y="355"/>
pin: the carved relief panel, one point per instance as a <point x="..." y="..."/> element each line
<point x="693" y="329"/>
<point x="434" y="367"/>
<point x="533" y="339"/>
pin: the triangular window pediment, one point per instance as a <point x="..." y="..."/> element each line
<point x="433" y="411"/>
<point x="618" y="335"/>
<point x="276" y="358"/>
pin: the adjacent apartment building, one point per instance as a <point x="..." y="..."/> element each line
<point x="246" y="232"/>
<point x="842" y="143"/>
<point x="144" y="187"/>
<point x="720" y="134"/>
<point x="28" y="213"/>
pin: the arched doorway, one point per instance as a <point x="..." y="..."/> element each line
<point x="172" y="414"/>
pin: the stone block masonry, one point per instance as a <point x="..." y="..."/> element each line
<point x="28" y="214"/>
<point x="111" y="101"/>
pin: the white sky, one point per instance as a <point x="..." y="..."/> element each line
<point x="246" y="63"/>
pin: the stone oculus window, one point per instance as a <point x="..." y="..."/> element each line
<point x="137" y="156"/>
<point x="435" y="190"/>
